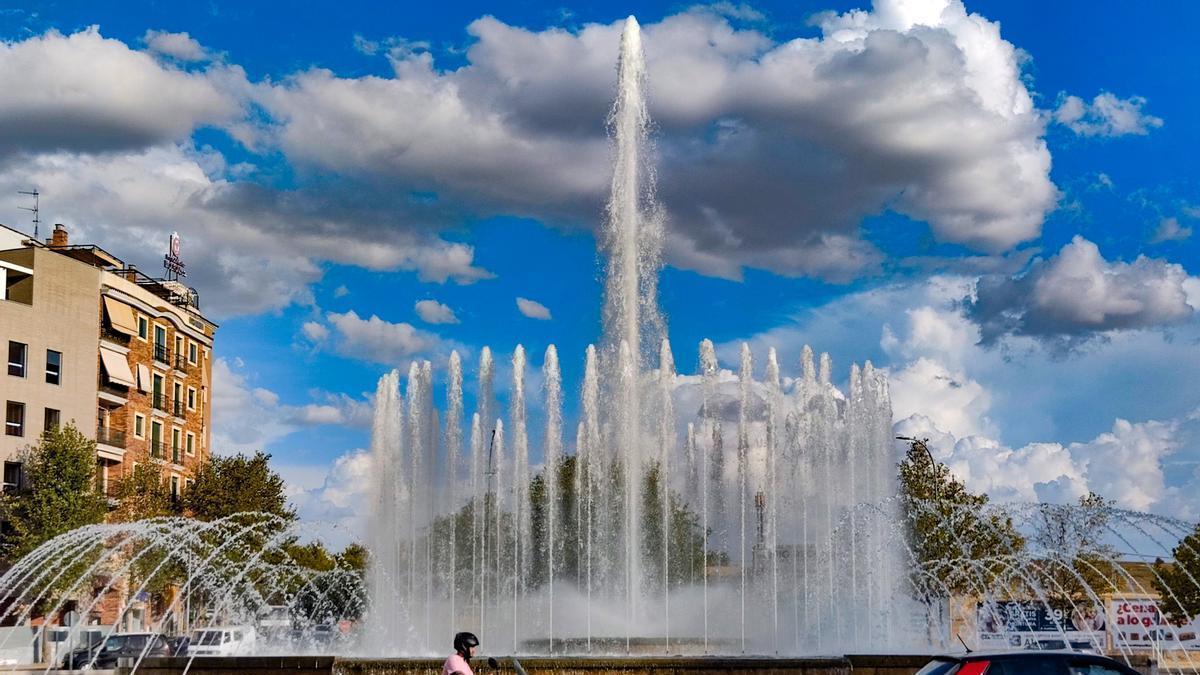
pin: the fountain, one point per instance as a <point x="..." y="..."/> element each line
<point x="746" y="511"/>
<point x="638" y="538"/>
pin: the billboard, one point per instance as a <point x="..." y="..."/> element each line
<point x="1138" y="623"/>
<point x="1030" y="624"/>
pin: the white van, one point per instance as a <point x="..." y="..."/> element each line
<point x="222" y="641"/>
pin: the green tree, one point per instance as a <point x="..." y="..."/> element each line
<point x="1177" y="581"/>
<point x="1077" y="567"/>
<point x="949" y="527"/>
<point x="61" y="491"/>
<point x="237" y="484"/>
<point x="143" y="493"/>
<point x="354" y="557"/>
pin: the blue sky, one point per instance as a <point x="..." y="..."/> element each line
<point x="996" y="202"/>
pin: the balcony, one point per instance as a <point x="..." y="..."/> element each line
<point x="115" y="336"/>
<point x="158" y="449"/>
<point x="176" y="454"/>
<point x="177" y="408"/>
<point x="181" y="363"/>
<point x="160" y="402"/>
<point x="112" y="437"/>
<point x="162" y="354"/>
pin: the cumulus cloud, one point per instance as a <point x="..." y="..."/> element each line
<point x="85" y="92"/>
<point x="770" y="153"/>
<point x="1077" y="294"/>
<point x="247" y="248"/>
<point x="1106" y="115"/>
<point x="180" y="46"/>
<point x="533" y="309"/>
<point x="432" y="311"/>
<point x="1125" y="464"/>
<point x="335" y="494"/>
<point x="1169" y="229"/>
<point x="247" y="417"/>
<point x="315" y="331"/>
<point x="376" y="340"/>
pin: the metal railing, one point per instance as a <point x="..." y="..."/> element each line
<point x="176" y="454"/>
<point x="113" y="335"/>
<point x="160" y="402"/>
<point x="111" y="437"/>
<point x="177" y="407"/>
<point x="181" y="363"/>
<point x="157" y="449"/>
<point x="162" y="354"/>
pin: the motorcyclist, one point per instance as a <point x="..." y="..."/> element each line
<point x="459" y="663"/>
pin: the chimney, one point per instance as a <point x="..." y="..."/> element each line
<point x="59" y="238"/>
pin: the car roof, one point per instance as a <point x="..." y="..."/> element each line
<point x="1009" y="653"/>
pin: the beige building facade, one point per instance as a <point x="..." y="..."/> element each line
<point x="94" y="341"/>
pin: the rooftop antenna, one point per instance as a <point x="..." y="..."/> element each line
<point x="35" y="194"/>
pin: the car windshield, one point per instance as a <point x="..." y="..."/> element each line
<point x="208" y="638"/>
<point x="125" y="642"/>
<point x="938" y="667"/>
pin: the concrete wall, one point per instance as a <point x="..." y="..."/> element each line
<point x="856" y="664"/>
<point x="62" y="317"/>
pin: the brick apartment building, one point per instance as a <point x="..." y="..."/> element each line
<point x="92" y="340"/>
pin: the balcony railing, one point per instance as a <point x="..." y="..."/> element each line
<point x="160" y="402"/>
<point x="110" y="387"/>
<point x="177" y="407"/>
<point x="112" y="335"/>
<point x="162" y="354"/>
<point x="181" y="363"/>
<point x="157" y="449"/>
<point x="111" y="437"/>
<point x="176" y="454"/>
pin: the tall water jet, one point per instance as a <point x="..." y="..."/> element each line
<point x="552" y="442"/>
<point x="632" y="233"/>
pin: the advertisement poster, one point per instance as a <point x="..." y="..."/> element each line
<point x="1137" y="623"/>
<point x="1017" y="624"/>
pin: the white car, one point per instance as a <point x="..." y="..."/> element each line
<point x="222" y="641"/>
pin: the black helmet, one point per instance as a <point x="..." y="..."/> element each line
<point x="464" y="641"/>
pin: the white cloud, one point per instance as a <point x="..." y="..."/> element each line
<point x="179" y="46"/>
<point x="1106" y="115"/>
<point x="88" y="93"/>
<point x="341" y="291"/>
<point x="334" y="494"/>
<point x="770" y="153"/>
<point x="533" y="309"/>
<point x="1078" y="293"/>
<point x="1125" y="464"/>
<point x="249" y="418"/>
<point x="317" y="332"/>
<point x="1169" y="229"/>
<point x="432" y="311"/>
<point x="381" y="341"/>
<point x="247" y="249"/>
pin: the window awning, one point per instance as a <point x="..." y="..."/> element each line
<point x="120" y="315"/>
<point x="116" y="367"/>
<point x="143" y="378"/>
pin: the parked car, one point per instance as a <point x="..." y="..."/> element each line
<point x="1025" y="663"/>
<point x="118" y="646"/>
<point x="222" y="641"/>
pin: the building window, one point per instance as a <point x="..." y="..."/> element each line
<point x="187" y="484"/>
<point x="160" y="344"/>
<point x="191" y="443"/>
<point x="139" y="425"/>
<point x="191" y="398"/>
<point x="16" y="358"/>
<point x="143" y="327"/>
<point x="13" y="473"/>
<point x="192" y="353"/>
<point x="174" y="488"/>
<point x="156" y="437"/>
<point x="175" y="446"/>
<point x="14" y="419"/>
<point x="52" y="419"/>
<point x="178" y="345"/>
<point x="53" y="367"/>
